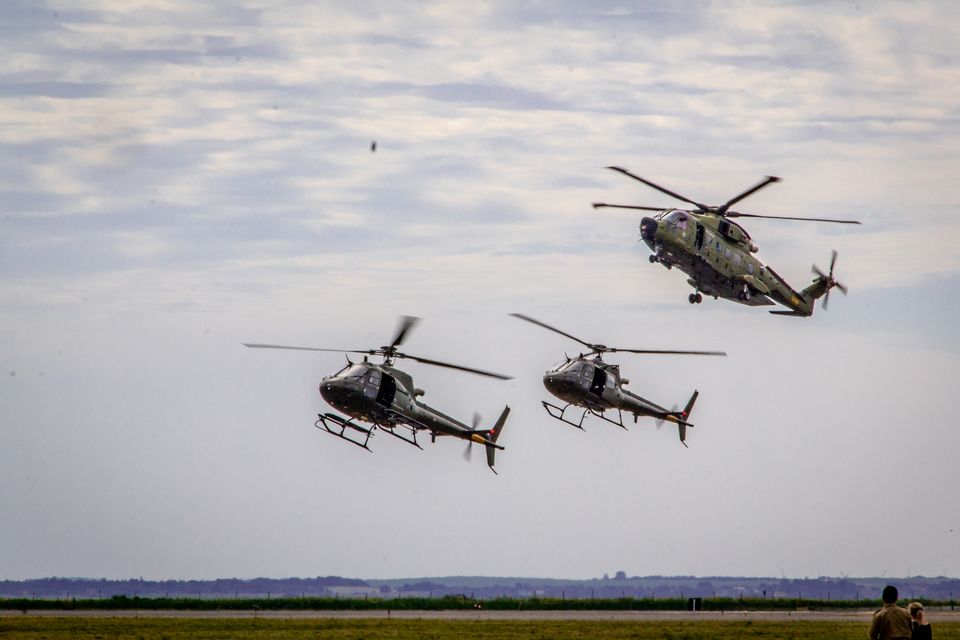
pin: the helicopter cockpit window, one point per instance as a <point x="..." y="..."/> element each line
<point x="610" y="384"/>
<point x="677" y="218"/>
<point x="574" y="367"/>
<point x="356" y="371"/>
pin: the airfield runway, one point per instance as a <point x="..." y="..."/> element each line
<point x="933" y="615"/>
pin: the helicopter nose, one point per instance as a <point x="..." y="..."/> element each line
<point x="335" y="391"/>
<point x="549" y="381"/>
<point x="555" y="383"/>
<point x="648" y="229"/>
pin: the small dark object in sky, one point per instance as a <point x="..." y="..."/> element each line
<point x="373" y="146"/>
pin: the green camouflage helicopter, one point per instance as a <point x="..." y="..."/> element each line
<point x="385" y="398"/>
<point x="717" y="253"/>
<point x="596" y="386"/>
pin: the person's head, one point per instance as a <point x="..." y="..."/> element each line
<point x="890" y="594"/>
<point x="916" y="610"/>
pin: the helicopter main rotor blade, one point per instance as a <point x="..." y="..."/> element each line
<point x="437" y="363"/>
<point x="554" y="329"/>
<point x="668" y="352"/>
<point x="406" y="323"/>
<point x="659" y="188"/>
<point x="750" y="191"/>
<point x="281" y="346"/>
<point x="598" y="205"/>
<point x="736" y="214"/>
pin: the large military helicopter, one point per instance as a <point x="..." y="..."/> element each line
<point x="384" y="397"/>
<point x="717" y="253"/>
<point x="596" y="386"/>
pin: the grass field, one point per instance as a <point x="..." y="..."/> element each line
<point x="74" y="628"/>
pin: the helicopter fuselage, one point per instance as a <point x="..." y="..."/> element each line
<point x="384" y="396"/>
<point x="717" y="254"/>
<point x="597" y="386"/>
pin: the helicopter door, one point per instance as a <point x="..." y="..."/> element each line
<point x="388" y="388"/>
<point x="371" y="384"/>
<point x="599" y="380"/>
<point x="699" y="236"/>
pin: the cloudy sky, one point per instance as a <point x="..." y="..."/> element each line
<point x="179" y="178"/>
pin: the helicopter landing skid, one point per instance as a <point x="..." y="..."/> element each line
<point x="411" y="440"/>
<point x="340" y="429"/>
<point x="618" y="422"/>
<point x="558" y="413"/>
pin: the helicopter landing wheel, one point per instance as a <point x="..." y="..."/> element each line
<point x="699" y="298"/>
<point x="692" y="298"/>
<point x="653" y="259"/>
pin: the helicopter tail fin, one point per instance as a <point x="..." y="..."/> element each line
<point x="681" y="417"/>
<point x="492" y="436"/>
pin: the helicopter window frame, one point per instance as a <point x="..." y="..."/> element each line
<point x="560" y="366"/>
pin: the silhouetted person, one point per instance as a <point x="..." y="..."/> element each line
<point x="890" y="621"/>
<point x="921" y="628"/>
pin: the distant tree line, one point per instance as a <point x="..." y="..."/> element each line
<point x="450" y="602"/>
<point x="220" y="588"/>
<point x="652" y="588"/>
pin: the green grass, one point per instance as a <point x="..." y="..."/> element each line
<point x="55" y="628"/>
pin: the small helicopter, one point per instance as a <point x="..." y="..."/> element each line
<point x="596" y="386"/>
<point x="717" y="253"/>
<point x="385" y="397"/>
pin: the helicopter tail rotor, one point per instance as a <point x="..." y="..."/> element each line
<point x="468" y="452"/>
<point x="674" y="410"/>
<point x="829" y="281"/>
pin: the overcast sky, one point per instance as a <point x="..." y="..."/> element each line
<point x="178" y="178"/>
